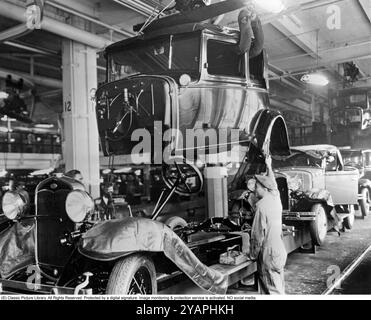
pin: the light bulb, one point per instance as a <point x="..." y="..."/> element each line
<point x="274" y="6"/>
<point x="315" y="79"/>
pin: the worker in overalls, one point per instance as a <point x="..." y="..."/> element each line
<point x="266" y="244"/>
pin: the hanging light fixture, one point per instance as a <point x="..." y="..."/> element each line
<point x="3" y="95"/>
<point x="316" y="78"/>
<point x="3" y="173"/>
<point x="274" y="6"/>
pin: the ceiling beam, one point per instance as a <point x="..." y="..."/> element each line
<point x="139" y="7"/>
<point x="300" y="86"/>
<point x="366" y="7"/>
<point x="125" y="33"/>
<point x="31" y="48"/>
<point x="284" y="105"/>
<point x="28" y="61"/>
<point x="329" y="56"/>
<point x="32" y="80"/>
<point x="87" y="7"/>
<point x="292" y="28"/>
<point x="14" y="32"/>
<point x="17" y="13"/>
<point x="284" y="80"/>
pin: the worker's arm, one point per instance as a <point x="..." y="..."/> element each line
<point x="258" y="44"/>
<point x="258" y="233"/>
<point x="250" y="26"/>
<point x="270" y="172"/>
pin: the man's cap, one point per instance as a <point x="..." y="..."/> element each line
<point x="266" y="182"/>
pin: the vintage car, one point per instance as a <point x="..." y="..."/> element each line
<point x="317" y="173"/>
<point x="70" y="252"/>
<point x="360" y="159"/>
<point x="351" y="108"/>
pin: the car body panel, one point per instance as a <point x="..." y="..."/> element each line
<point x="360" y="159"/>
<point x="342" y="185"/>
<point x="340" y="181"/>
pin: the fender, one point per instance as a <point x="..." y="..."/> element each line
<point x="114" y="239"/>
<point x="316" y="196"/>
<point x="270" y="131"/>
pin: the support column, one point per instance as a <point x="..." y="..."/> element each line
<point x="80" y="138"/>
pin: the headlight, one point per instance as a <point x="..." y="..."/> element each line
<point x="78" y="205"/>
<point x="14" y="204"/>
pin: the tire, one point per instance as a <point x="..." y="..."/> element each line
<point x="318" y="228"/>
<point x="349" y="220"/>
<point x="175" y="223"/>
<point x="131" y="271"/>
<point x="364" y="202"/>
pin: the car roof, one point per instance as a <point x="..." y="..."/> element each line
<point x="318" y="147"/>
<point x="190" y="28"/>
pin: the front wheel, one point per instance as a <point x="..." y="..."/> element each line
<point x="318" y="227"/>
<point x="364" y="203"/>
<point x="135" y="274"/>
<point x="349" y="220"/>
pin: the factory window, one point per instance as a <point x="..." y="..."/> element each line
<point x="223" y="59"/>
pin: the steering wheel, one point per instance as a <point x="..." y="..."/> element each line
<point x="185" y="174"/>
<point x="123" y="115"/>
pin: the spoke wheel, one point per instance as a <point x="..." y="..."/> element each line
<point x="349" y="220"/>
<point x="135" y="275"/>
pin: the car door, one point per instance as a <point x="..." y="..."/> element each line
<point x="341" y="182"/>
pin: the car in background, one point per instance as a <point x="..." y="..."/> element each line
<point x="360" y="159"/>
<point x="318" y="181"/>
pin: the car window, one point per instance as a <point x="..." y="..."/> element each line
<point x="367" y="158"/>
<point x="331" y="163"/>
<point x="223" y="59"/>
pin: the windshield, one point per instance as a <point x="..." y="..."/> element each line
<point x="178" y="53"/>
<point x="354" y="98"/>
<point x="352" y="158"/>
<point x="298" y="159"/>
<point x="347" y="99"/>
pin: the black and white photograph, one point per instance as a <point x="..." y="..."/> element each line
<point x="185" y="150"/>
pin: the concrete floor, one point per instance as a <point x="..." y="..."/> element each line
<point x="359" y="281"/>
<point x="309" y="273"/>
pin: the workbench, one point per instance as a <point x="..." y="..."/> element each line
<point x="238" y="272"/>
